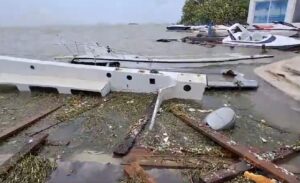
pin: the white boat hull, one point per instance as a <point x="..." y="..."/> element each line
<point x="288" y="33"/>
<point x="239" y="36"/>
<point x="280" y="42"/>
<point x="65" y="78"/>
<point x="224" y="33"/>
<point x="164" y="64"/>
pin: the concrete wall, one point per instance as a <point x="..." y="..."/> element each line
<point x="291" y="9"/>
<point x="296" y="17"/>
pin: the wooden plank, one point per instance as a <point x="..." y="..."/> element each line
<point x="137" y="173"/>
<point x="25" y="123"/>
<point x="29" y="147"/>
<point x="125" y="146"/>
<point x="169" y="161"/>
<point x="244" y="152"/>
<point x="240" y="167"/>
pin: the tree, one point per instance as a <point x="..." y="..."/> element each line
<point x="216" y="11"/>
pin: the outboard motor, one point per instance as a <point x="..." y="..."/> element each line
<point x="108" y="49"/>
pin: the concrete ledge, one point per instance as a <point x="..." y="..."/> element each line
<point x="278" y="76"/>
<point x="63" y="85"/>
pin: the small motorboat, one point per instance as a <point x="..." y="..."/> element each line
<point x="240" y="36"/>
<point x="178" y="27"/>
<point x="277" y="28"/>
<point x="217" y="31"/>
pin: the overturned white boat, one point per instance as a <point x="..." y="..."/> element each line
<point x="28" y="74"/>
<point x="105" y="56"/>
<point x="240" y="36"/>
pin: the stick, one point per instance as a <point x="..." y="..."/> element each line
<point x="224" y="141"/>
<point x="124" y="147"/>
<point x="242" y="166"/>
<point x="32" y="145"/>
<point x="169" y="161"/>
<point x="25" y="123"/>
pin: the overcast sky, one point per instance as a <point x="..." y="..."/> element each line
<point x="49" y="12"/>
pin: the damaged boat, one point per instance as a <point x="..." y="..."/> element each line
<point x="240" y="36"/>
<point x="276" y="28"/>
<point x="66" y="78"/>
<point x="105" y="56"/>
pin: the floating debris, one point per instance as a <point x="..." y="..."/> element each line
<point x="263" y="140"/>
<point x="31" y="169"/>
<point x="258" y="178"/>
<point x="166" y="40"/>
<point x="221" y="119"/>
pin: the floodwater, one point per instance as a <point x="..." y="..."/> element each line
<point x="48" y="42"/>
<point x="267" y="103"/>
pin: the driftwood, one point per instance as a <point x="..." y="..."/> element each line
<point x="28" y="148"/>
<point x="240" y="167"/>
<point x="129" y="141"/>
<point x="234" y="147"/>
<point x="169" y="161"/>
<point x="26" y="123"/>
<point x="44" y="129"/>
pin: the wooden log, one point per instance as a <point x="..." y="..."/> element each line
<point x="136" y="172"/>
<point x="240" y="167"/>
<point x="28" y="148"/>
<point x="125" y="146"/>
<point x="244" y="152"/>
<point x="169" y="161"/>
<point x="25" y="123"/>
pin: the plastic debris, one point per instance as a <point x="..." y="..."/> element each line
<point x="192" y="109"/>
<point x="221" y="119"/>
<point x="263" y="140"/>
<point x="258" y="178"/>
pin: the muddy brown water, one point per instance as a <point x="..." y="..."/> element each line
<point x="267" y="103"/>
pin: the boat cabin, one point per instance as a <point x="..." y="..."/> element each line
<point x="268" y="11"/>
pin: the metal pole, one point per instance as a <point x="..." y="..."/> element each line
<point x="268" y="18"/>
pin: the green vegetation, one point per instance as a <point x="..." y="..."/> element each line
<point x="216" y="11"/>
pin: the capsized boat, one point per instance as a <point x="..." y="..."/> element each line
<point x="105" y="56"/>
<point x="66" y="78"/>
<point x="240" y="36"/>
